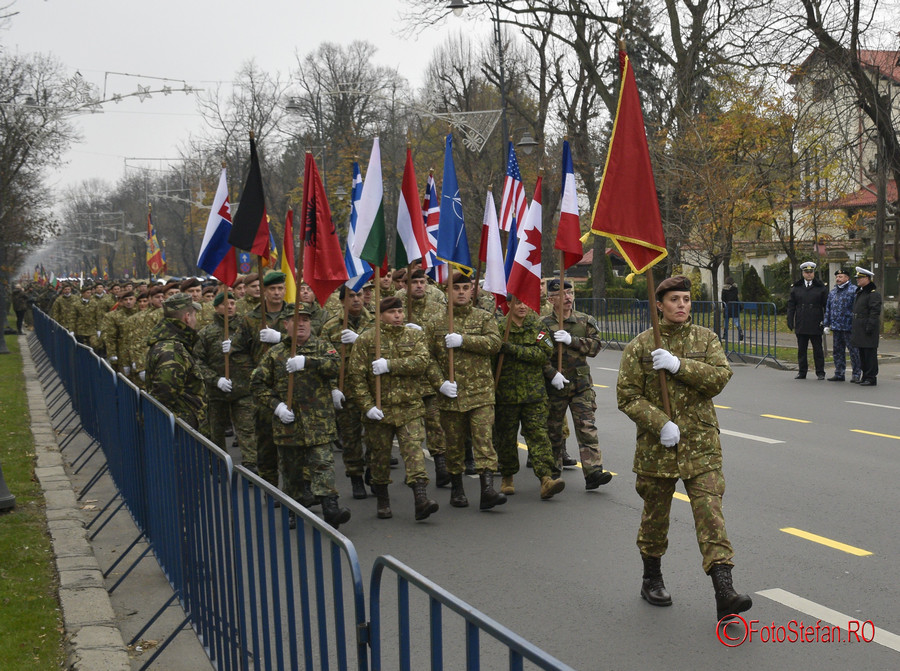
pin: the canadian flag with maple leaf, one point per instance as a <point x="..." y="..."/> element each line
<point x="525" y="278"/>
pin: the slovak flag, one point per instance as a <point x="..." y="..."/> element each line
<point x="216" y="253"/>
<point x="525" y="279"/>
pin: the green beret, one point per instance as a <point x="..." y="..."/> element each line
<point x="273" y="277"/>
<point x="217" y="301"/>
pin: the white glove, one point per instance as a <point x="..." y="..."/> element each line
<point x="375" y="413"/>
<point x="126" y="370"/>
<point x="143" y="375"/>
<point x="337" y="397"/>
<point x="559" y="381"/>
<point x="226" y="346"/>
<point x="348" y="337"/>
<point x="563" y="336"/>
<point x="133" y="365"/>
<point x="453" y="339"/>
<point x="670" y="434"/>
<point x="72" y="333"/>
<point x="295" y="363"/>
<point x="270" y="336"/>
<point x="98" y="333"/>
<point x="113" y="359"/>
<point x="410" y="325"/>
<point x="224" y="384"/>
<point x="663" y="359"/>
<point x="449" y="389"/>
<point x="285" y="414"/>
<point x="381" y="366"/>
<point x="826" y="330"/>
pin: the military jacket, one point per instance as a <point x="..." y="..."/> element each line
<point x="246" y="347"/>
<point x="173" y="376"/>
<point x="333" y="306"/>
<point x="137" y="329"/>
<point x="839" y="307"/>
<point x="206" y="315"/>
<point x="472" y="361"/>
<point x="211" y="362"/>
<point x="63" y="311"/>
<point x="407" y="355"/>
<point x="703" y="374"/>
<point x="244" y="305"/>
<point x="865" y="329"/>
<point x="331" y="331"/>
<point x="19" y="300"/>
<point x="318" y="317"/>
<point x="585" y="343"/>
<point x="313" y="407"/>
<point x="422" y="310"/>
<point x="85" y="318"/>
<point x="525" y="354"/>
<point x="112" y="331"/>
<point x="806" y="307"/>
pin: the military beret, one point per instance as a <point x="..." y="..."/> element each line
<point x="553" y="285"/>
<point x="399" y="274"/>
<point x="862" y="272"/>
<point x="178" y="302"/>
<point x="143" y="293"/>
<point x="417" y="274"/>
<point x="461" y="278"/>
<point x="238" y="281"/>
<point x="273" y="277"/>
<point x="217" y="301"/>
<point x="390" y="303"/>
<point x="189" y="283"/>
<point x="126" y="294"/>
<point x="843" y="271"/>
<point x="158" y="289"/>
<point x="210" y="289"/>
<point x="676" y="283"/>
<point x="87" y="287"/>
<point x="250" y="278"/>
<point x="807" y="265"/>
<point x="368" y="285"/>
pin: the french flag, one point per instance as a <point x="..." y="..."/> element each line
<point x="216" y="253"/>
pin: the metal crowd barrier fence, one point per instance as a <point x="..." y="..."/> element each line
<point x="258" y="593"/>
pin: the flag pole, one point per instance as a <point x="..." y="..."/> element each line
<point x="298" y="278"/>
<point x="560" y="303"/>
<point x="500" y="358"/>
<point x="450" y="317"/>
<point x="480" y="263"/>
<point x="657" y="339"/>
<point x="378" y="333"/>
<point x="225" y="289"/>
<point x="343" y="344"/>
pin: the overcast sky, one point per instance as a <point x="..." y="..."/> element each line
<point x="200" y="42"/>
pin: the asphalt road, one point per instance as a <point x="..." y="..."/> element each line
<point x="565" y="574"/>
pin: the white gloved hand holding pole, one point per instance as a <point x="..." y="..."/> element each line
<point x="559" y="381"/>
<point x="381" y="366"/>
<point x="664" y="360"/>
<point x="295" y="363"/>
<point x="269" y="336"/>
<point x="563" y="336"/>
<point x="453" y="340"/>
<point x="224" y="384"/>
<point x="337" y="397"/>
<point x="374" y="413"/>
<point x="449" y="389"/>
<point x="285" y="414"/>
<point x="670" y="434"/>
<point x="226" y="346"/>
<point x="348" y="337"/>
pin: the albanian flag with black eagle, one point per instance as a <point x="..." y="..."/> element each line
<point x="323" y="262"/>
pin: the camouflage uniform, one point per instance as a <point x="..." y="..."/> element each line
<point x="697" y="459"/>
<point x="472" y="411"/>
<point x="63" y="311"/>
<point x="578" y="395"/>
<point x="318" y="317"/>
<point x="521" y="397"/>
<point x="407" y="355"/>
<point x="206" y="316"/>
<point x="101" y="308"/>
<point x="248" y="351"/>
<point x="226" y="408"/>
<point x="85" y="321"/>
<point x="244" y="305"/>
<point x="173" y="377"/>
<point x="137" y="329"/>
<point x="307" y="441"/>
<point x="349" y="419"/>
<point x="112" y="330"/>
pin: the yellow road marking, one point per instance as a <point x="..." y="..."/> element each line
<point x="872" y="433"/>
<point x="681" y="497"/>
<point x="602" y="386"/>
<point x="523" y="446"/>
<point x="723" y="407"/>
<point x="788" y="419"/>
<point x="859" y="552"/>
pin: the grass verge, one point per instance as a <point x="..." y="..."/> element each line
<point x="30" y="623"/>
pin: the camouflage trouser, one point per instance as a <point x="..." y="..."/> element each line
<point x="533" y="418"/>
<point x="350" y="430"/>
<point x="705" y="492"/>
<point x="266" y="452"/>
<point x="583" y="405"/>
<point x="434" y="432"/>
<point x="478" y="424"/>
<point x="316" y="460"/>
<point x="840" y="343"/>
<point x="380" y="437"/>
<point x="241" y="413"/>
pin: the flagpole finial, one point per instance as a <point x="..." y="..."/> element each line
<point x="149" y="207"/>
<point x="252" y="135"/>
<point x="223" y="165"/>
<point x="491" y="188"/>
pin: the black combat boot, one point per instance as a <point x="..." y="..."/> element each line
<point x="333" y="513"/>
<point x="728" y="602"/>
<point x="384" y="501"/>
<point x="307" y="498"/>
<point x="469" y="460"/>
<point x="424" y="505"/>
<point x="457" y="493"/>
<point x="441" y="474"/>
<point x="597" y="478"/>
<point x="359" y="487"/>
<point x="653" y="589"/>
<point x="489" y="497"/>
<point x="567" y="460"/>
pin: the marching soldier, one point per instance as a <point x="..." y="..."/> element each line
<point x="404" y="358"/>
<point x="304" y="431"/>
<point x="572" y="388"/>
<point x="251" y="295"/>
<point x="318" y="314"/>
<point x="85" y="317"/>
<point x="63" y="309"/>
<point x="112" y="331"/>
<point x="137" y="328"/>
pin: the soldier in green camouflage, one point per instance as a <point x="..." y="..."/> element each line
<point x="348" y="413"/>
<point x="467" y="402"/>
<point x="684" y="444"/>
<point x="63" y="309"/>
<point x="135" y="331"/>
<point x="521" y="399"/>
<point x="112" y="331"/>
<point x="229" y="396"/>
<point x="85" y="321"/>
<point x="572" y="388"/>
<point x="173" y="376"/>
<point x="403" y="358"/>
<point x="251" y="295"/>
<point x="318" y="315"/>
<point x="303" y="432"/>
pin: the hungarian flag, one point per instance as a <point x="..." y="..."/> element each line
<point x="323" y="263"/>
<point x="370" y="243"/>
<point x="568" y="233"/>
<point x="216" y="253"/>
<point x="627" y="209"/>
<point x="250" y="227"/>
<point x="288" y="266"/>
<point x="494" y="274"/>
<point x="412" y="240"/>
<point x="156" y="257"/>
<point x="525" y="279"/>
<point x="452" y="244"/>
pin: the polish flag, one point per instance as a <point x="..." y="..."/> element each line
<point x="525" y="279"/>
<point x="494" y="274"/>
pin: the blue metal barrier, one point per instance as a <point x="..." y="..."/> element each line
<point x="126" y="460"/>
<point x="757" y="336"/>
<point x="518" y="648"/>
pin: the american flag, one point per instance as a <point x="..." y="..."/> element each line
<point x="513" y="202"/>
<point x="431" y="211"/>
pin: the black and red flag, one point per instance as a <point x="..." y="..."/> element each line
<point x="250" y="226"/>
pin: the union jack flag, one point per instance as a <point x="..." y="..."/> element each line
<point x="513" y="202"/>
<point x="431" y="211"/>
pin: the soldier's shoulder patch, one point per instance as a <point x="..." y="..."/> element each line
<point x="541" y="335"/>
<point x="332" y="350"/>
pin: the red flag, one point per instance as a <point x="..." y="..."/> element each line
<point x="323" y="262"/>
<point x="627" y="209"/>
<point x="250" y="226"/>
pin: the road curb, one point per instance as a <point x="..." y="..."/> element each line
<point x="93" y="637"/>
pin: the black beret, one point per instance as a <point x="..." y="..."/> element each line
<point x="390" y="303"/>
<point x="553" y="285"/>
